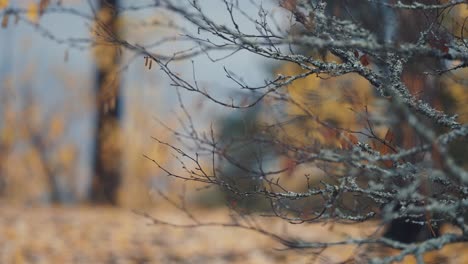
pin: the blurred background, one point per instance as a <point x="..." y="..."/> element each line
<point x="71" y="152"/>
<point x="50" y="121"/>
<point x="77" y="117"/>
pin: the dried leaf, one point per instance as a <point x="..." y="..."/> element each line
<point x="352" y="138"/>
<point x="389" y="136"/>
<point x="388" y="163"/>
<point x="386" y="148"/>
<point x="374" y="144"/>
<point x="289" y="164"/>
<point x="345" y="144"/>
<point x="43" y="5"/>
<point x="364" y="60"/>
<point x="5" y="20"/>
<point x="347" y="140"/>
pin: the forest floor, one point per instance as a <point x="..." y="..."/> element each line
<point x="111" y="235"/>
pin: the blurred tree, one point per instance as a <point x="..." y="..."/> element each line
<point x="360" y="90"/>
<point x="107" y="152"/>
<point x="241" y="167"/>
<point x="37" y="161"/>
<point x="321" y="96"/>
<point x="437" y="27"/>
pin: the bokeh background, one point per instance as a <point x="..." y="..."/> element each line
<point x="54" y="208"/>
<point x="48" y="94"/>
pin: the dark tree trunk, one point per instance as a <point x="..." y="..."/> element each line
<point x="406" y="232"/>
<point x="107" y="152"/>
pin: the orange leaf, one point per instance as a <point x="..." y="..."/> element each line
<point x="344" y="144"/>
<point x="352" y="138"/>
<point x="374" y="145"/>
<point x="290" y="165"/>
<point x="389" y="136"/>
<point x="364" y="60"/>
<point x="43" y="5"/>
<point x="385" y="148"/>
<point x="388" y="163"/>
<point x="347" y="140"/>
<point x="5" y="20"/>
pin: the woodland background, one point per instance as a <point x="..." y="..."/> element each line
<point x="53" y="207"/>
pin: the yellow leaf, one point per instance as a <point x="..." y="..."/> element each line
<point x="33" y="12"/>
<point x="3" y="4"/>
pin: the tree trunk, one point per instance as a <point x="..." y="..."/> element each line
<point x="107" y="152"/>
